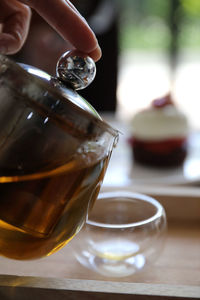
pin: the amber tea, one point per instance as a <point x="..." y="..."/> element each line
<point x="40" y="213"/>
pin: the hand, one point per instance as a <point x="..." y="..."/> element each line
<point x="15" y="18"/>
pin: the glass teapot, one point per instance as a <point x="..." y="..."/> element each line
<point x="54" y="151"/>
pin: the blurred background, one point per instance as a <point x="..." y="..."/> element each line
<point x="160" y="52"/>
<point x="150" y="48"/>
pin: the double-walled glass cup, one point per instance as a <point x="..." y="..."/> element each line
<point x="124" y="233"/>
<point x="54" y="151"/>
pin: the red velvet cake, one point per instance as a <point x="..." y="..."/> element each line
<point x="159" y="134"/>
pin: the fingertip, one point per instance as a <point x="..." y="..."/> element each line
<point x="15" y="29"/>
<point x="10" y="44"/>
<point x="96" y="54"/>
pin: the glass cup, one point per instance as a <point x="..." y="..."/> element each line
<point x="124" y="232"/>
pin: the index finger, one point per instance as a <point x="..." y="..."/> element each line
<point x="68" y="22"/>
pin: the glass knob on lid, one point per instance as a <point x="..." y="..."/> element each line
<point x="76" y="68"/>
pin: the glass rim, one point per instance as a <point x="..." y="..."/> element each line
<point x="132" y="196"/>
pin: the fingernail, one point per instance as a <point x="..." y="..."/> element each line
<point x="76" y="11"/>
<point x="72" y="6"/>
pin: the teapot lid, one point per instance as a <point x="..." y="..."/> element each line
<point x="56" y="97"/>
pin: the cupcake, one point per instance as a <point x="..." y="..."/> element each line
<point x="159" y="134"/>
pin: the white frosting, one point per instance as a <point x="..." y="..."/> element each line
<point x="159" y="123"/>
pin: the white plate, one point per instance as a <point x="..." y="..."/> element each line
<point x="123" y="171"/>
